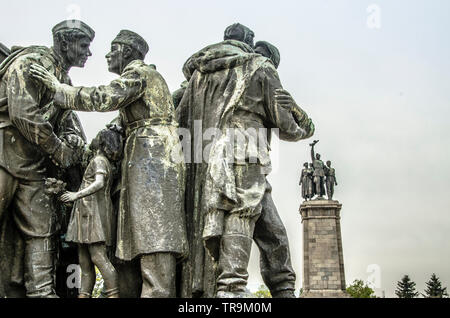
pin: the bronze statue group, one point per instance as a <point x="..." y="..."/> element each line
<point x="153" y="225"/>
<point x="316" y="177"/>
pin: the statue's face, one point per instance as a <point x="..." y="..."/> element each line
<point x="329" y="163"/>
<point x="115" y="58"/>
<point x="249" y="38"/>
<point x="78" y="52"/>
<point x="305" y="165"/>
<point x="263" y="51"/>
<point x="318" y="156"/>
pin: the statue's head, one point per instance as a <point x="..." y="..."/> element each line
<point x="305" y="165"/>
<point x="317" y="156"/>
<point x="110" y="143"/>
<point x="71" y="40"/>
<point x="239" y="32"/>
<point x="311" y="165"/>
<point x="268" y="50"/>
<point x="126" y="47"/>
<point x="329" y="163"/>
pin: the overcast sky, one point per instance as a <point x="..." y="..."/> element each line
<point x="373" y="75"/>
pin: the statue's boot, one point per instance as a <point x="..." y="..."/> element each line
<point x="233" y="262"/>
<point x="158" y="272"/>
<point x="39" y="268"/>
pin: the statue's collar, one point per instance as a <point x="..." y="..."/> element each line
<point x="58" y="60"/>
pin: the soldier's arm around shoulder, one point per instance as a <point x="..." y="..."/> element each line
<point x="119" y="93"/>
<point x="283" y="111"/>
<point x="25" y="96"/>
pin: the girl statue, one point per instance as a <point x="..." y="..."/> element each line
<point x="91" y="222"/>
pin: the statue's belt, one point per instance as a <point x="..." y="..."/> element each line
<point x="155" y="121"/>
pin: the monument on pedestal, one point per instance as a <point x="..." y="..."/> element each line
<point x="323" y="260"/>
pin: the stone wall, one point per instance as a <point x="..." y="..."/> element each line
<point x="323" y="261"/>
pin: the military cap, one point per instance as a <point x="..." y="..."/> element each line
<point x="74" y="25"/>
<point x="274" y="53"/>
<point x="132" y="39"/>
<point x="237" y="31"/>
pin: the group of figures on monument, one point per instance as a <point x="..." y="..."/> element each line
<point x="316" y="177"/>
<point x="133" y="203"/>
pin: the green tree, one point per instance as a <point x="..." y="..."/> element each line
<point x="434" y="288"/>
<point x="262" y="292"/>
<point x="358" y="289"/>
<point x="406" y="288"/>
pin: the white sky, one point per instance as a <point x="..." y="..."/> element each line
<point x="379" y="98"/>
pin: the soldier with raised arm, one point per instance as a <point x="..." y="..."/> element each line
<point x="319" y="172"/>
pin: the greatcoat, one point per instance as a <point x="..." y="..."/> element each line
<point x="151" y="215"/>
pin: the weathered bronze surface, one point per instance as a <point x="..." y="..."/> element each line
<point x="230" y="87"/>
<point x="91" y="224"/>
<point x="4" y="52"/>
<point x="38" y="140"/>
<point x="270" y="234"/>
<point x="151" y="223"/>
<point x="160" y="215"/>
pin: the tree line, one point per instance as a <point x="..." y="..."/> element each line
<point x="406" y="288"/>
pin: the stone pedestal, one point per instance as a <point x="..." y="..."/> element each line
<point x="323" y="261"/>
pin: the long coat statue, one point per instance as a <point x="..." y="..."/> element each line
<point x="229" y="87"/>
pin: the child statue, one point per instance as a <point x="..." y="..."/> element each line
<point x="91" y="222"/>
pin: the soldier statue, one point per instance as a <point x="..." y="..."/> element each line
<point x="31" y="144"/>
<point x="151" y="223"/>
<point x="226" y="197"/>
<point x="330" y="180"/>
<point x="306" y="181"/>
<point x="319" y="172"/>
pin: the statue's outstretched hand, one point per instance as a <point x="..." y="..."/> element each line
<point x="285" y="100"/>
<point x="47" y="78"/>
<point x="69" y="197"/>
